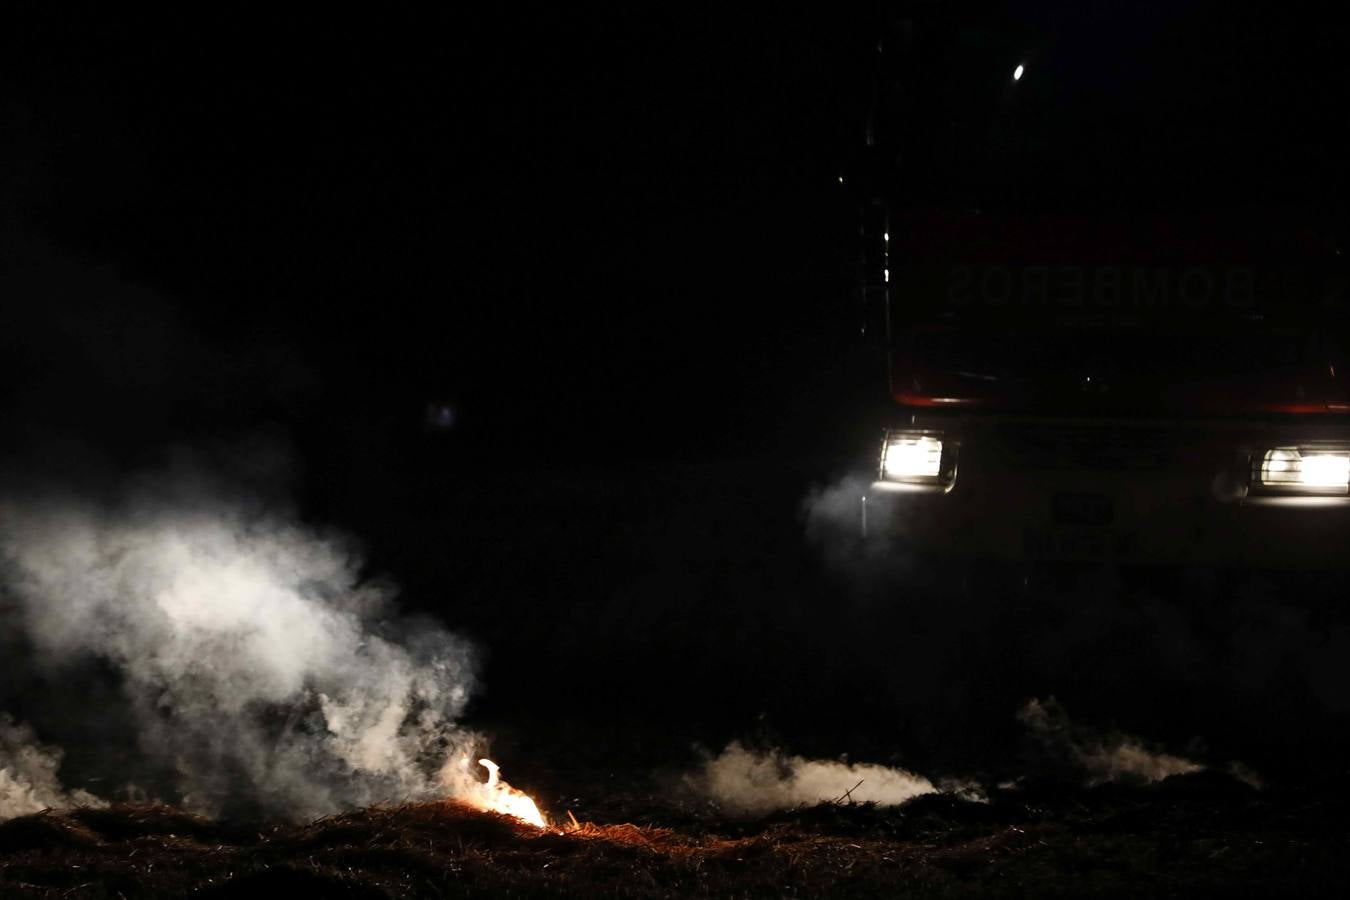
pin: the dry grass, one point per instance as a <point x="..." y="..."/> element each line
<point x="1184" y="839"/>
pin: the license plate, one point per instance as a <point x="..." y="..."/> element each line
<point x="1076" y="543"/>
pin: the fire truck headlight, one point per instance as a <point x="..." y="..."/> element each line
<point x="917" y="458"/>
<point x="1303" y="470"/>
<point x="905" y="457"/>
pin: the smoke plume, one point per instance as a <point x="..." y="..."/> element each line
<point x="1116" y="757"/>
<point x="747" y="783"/>
<point x="28" y="779"/>
<point x="257" y="667"/>
<point x="847" y="525"/>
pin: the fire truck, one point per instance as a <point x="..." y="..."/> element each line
<point x="1099" y="381"/>
<point x="1083" y="399"/>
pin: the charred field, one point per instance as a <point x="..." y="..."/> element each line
<point x="1194" y="835"/>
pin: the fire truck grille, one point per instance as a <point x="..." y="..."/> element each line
<point x="1039" y="446"/>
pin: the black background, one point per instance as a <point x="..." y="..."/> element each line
<point x="622" y="229"/>
<point x="616" y="242"/>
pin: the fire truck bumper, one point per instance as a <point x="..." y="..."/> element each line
<point x="1129" y="494"/>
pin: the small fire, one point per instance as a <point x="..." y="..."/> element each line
<point x="498" y="796"/>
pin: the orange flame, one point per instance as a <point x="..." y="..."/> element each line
<point x="498" y="796"/>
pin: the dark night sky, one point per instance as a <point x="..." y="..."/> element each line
<point x="619" y="231"/>
<point x="550" y="220"/>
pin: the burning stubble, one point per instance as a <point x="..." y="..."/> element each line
<point x="258" y="666"/>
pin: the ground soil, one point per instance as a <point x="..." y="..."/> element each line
<point x="1196" y="835"/>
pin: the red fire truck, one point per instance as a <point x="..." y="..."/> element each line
<point x="1131" y="390"/>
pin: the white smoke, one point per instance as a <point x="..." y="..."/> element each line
<point x="864" y="536"/>
<point x="842" y="521"/>
<point x="1116" y="757"/>
<point x="28" y="779"/>
<point x="257" y="662"/>
<point x="747" y="783"/>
